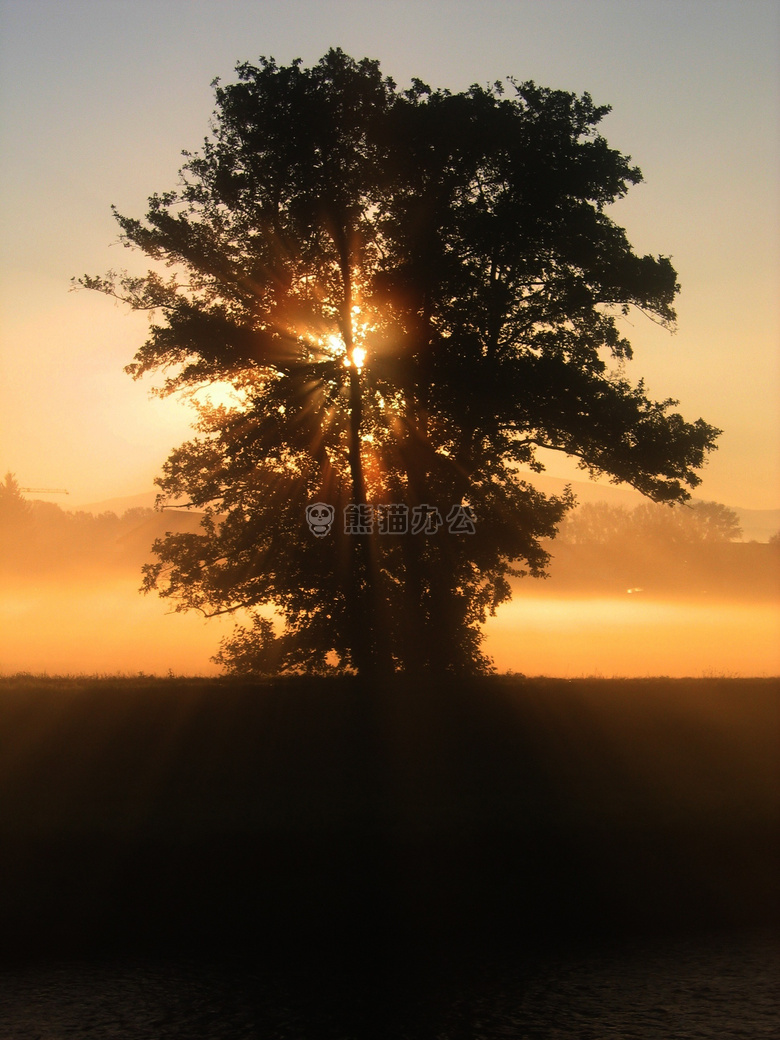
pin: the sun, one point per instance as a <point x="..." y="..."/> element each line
<point x="358" y="357"/>
<point x="334" y="343"/>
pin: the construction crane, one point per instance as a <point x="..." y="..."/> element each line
<point x="46" y="491"/>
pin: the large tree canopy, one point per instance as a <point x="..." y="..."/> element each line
<point x="411" y="292"/>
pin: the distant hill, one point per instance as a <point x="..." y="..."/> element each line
<point x="758" y="524"/>
<point x="117" y="505"/>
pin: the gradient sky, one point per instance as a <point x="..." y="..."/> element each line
<point x="98" y="98"/>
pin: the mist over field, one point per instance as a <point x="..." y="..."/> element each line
<point x="632" y="592"/>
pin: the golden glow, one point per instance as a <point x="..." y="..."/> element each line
<point x="102" y="626"/>
<point x="634" y="636"/>
<point x="99" y="624"/>
<point x="334" y="343"/>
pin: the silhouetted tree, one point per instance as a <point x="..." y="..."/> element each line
<point x="410" y="292"/>
<point x="14" y="507"/>
<point x="716" y="522"/>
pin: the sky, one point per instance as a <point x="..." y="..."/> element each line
<point x="98" y="100"/>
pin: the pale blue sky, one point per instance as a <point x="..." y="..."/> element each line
<point x="98" y="99"/>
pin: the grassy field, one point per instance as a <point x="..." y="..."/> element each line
<point x="319" y="816"/>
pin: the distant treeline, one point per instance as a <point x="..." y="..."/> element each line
<point x="47" y="538"/>
<point x="39" y="538"/>
<point x="686" y="525"/>
<point x="600" y="548"/>
<point x="657" y="549"/>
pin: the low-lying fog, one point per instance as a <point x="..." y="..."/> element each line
<point x="633" y="636"/>
<point x="108" y="627"/>
<point x="619" y="602"/>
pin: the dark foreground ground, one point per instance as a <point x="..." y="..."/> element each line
<point x="318" y="830"/>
